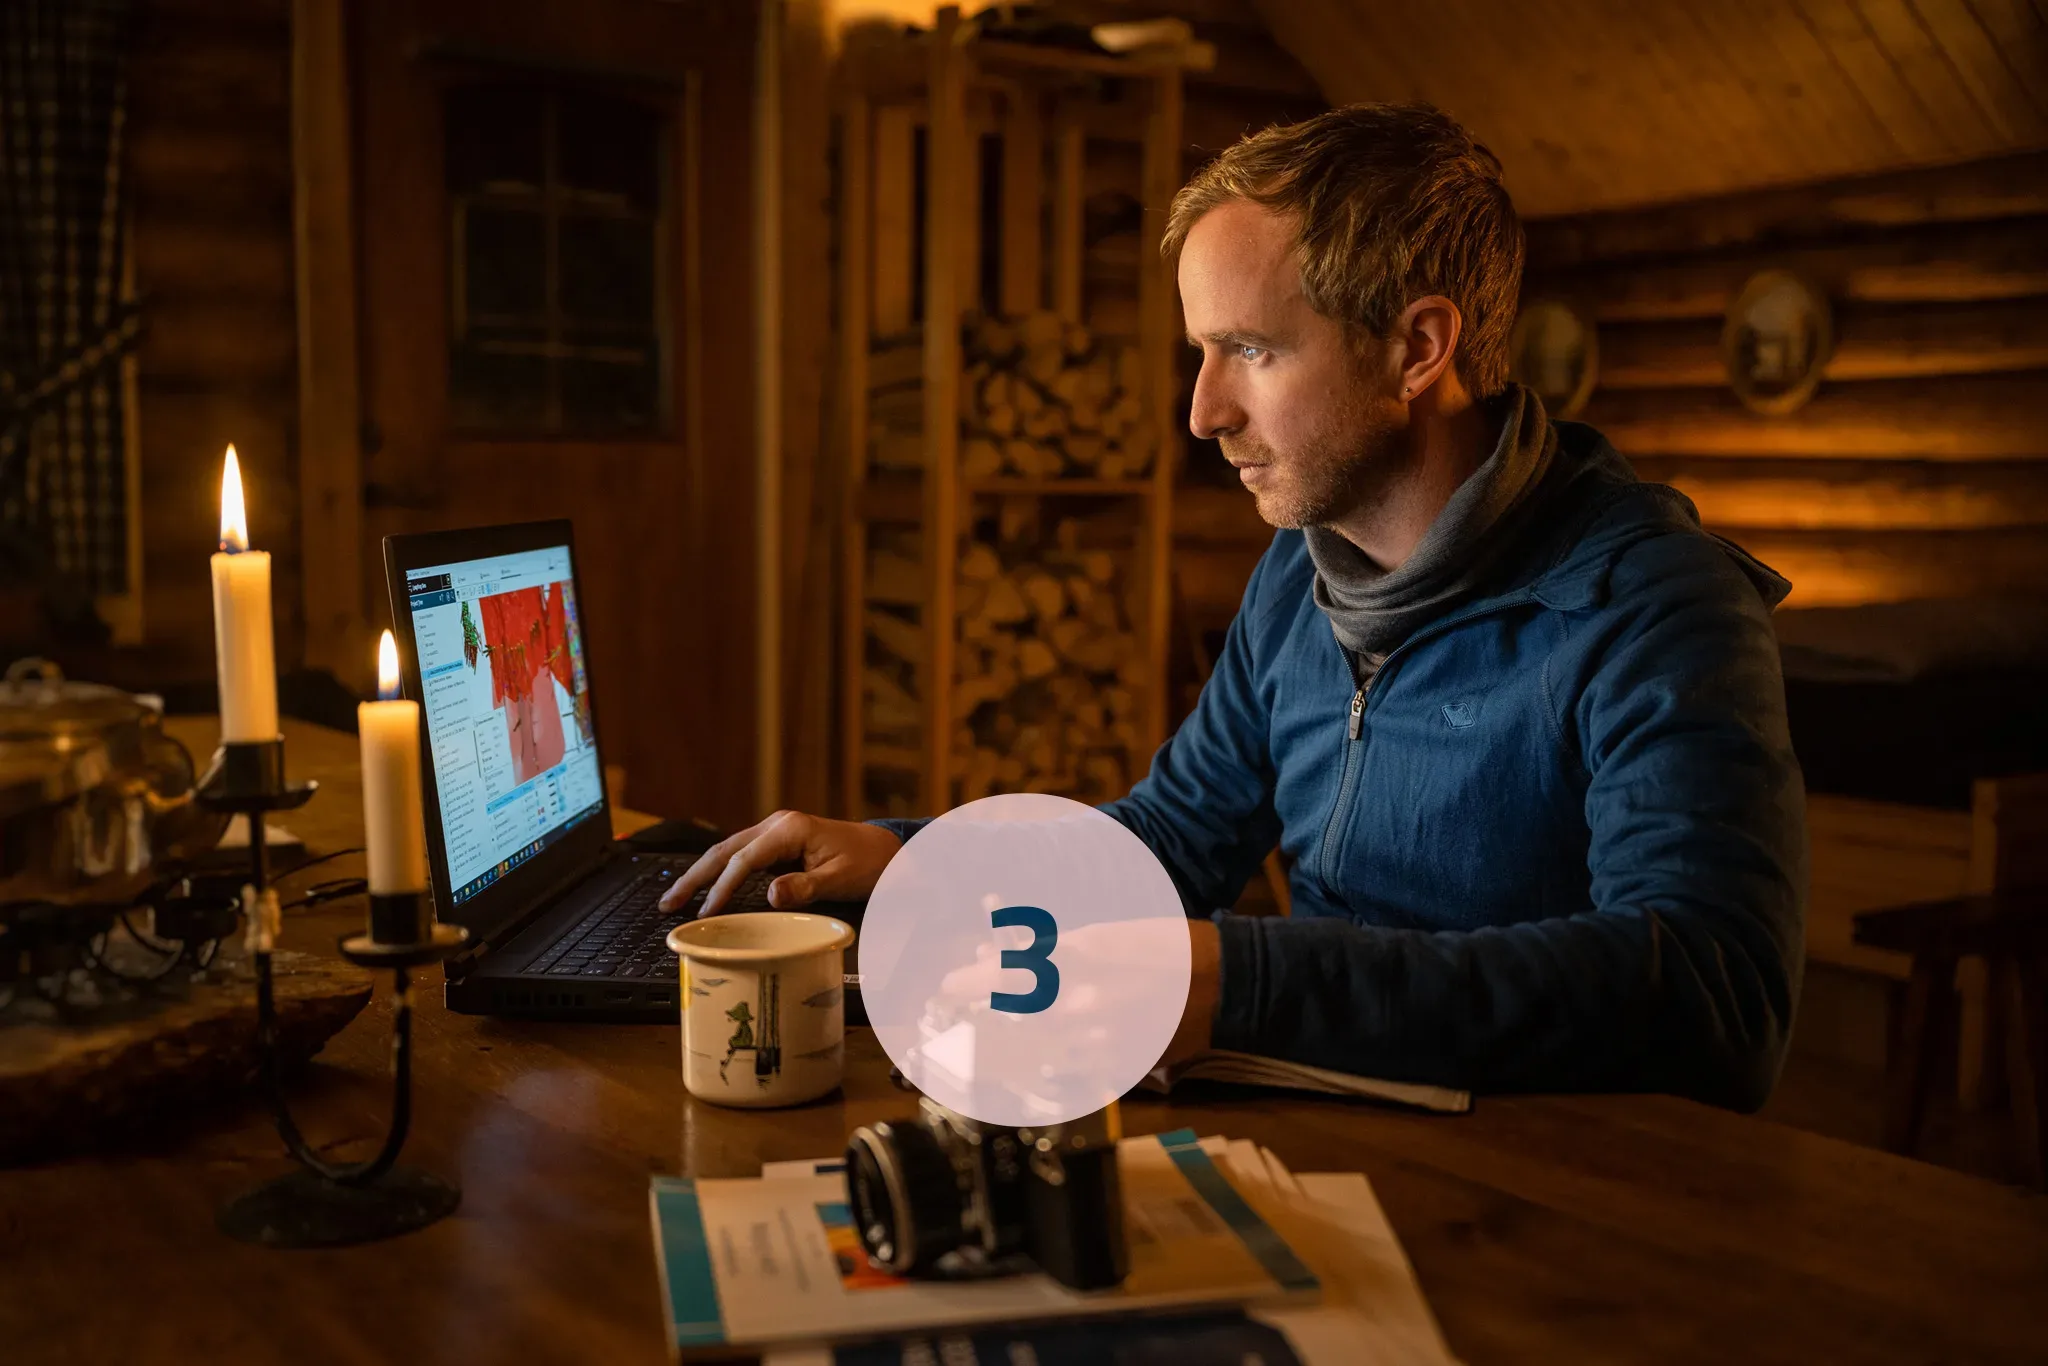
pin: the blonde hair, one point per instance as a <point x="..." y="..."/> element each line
<point x="1393" y="202"/>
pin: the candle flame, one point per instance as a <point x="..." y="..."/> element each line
<point x="387" y="669"/>
<point x="234" y="518"/>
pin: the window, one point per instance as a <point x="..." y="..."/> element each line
<point x="555" y="204"/>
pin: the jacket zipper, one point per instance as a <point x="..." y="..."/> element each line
<point x="1354" y="729"/>
<point x="1354" y="726"/>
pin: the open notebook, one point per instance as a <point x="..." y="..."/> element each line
<point x="1248" y="1069"/>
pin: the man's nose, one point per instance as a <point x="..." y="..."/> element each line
<point x="1215" y="411"/>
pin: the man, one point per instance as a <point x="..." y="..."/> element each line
<point x="1514" y="720"/>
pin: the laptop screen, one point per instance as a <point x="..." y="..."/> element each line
<point x="507" y="703"/>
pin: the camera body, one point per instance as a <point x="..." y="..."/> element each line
<point x="939" y="1194"/>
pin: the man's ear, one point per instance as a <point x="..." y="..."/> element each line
<point x="1429" y="329"/>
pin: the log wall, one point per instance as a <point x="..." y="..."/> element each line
<point x="1920" y="467"/>
<point x="209" y="165"/>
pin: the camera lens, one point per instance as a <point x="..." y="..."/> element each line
<point x="905" y="1198"/>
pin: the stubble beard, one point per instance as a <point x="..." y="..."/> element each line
<point x="1345" y="467"/>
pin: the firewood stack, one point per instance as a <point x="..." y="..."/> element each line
<point x="1050" y="675"/>
<point x="1039" y="399"/>
<point x="1050" y="670"/>
<point x="892" y="719"/>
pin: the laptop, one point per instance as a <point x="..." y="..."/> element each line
<point x="563" y="919"/>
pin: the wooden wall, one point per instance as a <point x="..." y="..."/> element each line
<point x="1920" y="467"/>
<point x="209" y="161"/>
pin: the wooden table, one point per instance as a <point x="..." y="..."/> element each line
<point x="1567" y="1229"/>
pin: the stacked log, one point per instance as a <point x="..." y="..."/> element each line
<point x="893" y="630"/>
<point x="1049" y="689"/>
<point x="1039" y="399"/>
<point x="1050" y="675"/>
<point x="1045" y="399"/>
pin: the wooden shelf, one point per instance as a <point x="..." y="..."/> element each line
<point x="921" y="499"/>
<point x="995" y="52"/>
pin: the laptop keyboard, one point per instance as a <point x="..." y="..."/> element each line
<point x="627" y="935"/>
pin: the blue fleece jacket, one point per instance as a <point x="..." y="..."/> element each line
<point x="1561" y="846"/>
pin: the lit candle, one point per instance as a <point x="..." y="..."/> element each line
<point x="393" y="819"/>
<point x="244" y="658"/>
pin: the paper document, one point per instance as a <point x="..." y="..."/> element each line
<point x="1249" y="1069"/>
<point x="1371" y="1311"/>
<point x="777" y="1259"/>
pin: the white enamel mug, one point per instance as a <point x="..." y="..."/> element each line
<point x="764" y="1006"/>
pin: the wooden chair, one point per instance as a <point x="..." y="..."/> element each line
<point x="1962" y="1018"/>
<point x="1872" y="856"/>
<point x="2008" y="930"/>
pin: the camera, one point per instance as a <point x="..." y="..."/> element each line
<point x="941" y="1195"/>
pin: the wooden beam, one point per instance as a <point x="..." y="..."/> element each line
<point x="329" y="409"/>
<point x="947" y="164"/>
<point x="1872" y="341"/>
<point x="1023" y="215"/>
<point x="1839" y="569"/>
<point x="980" y="121"/>
<point x="1862" y="495"/>
<point x="1070" y="146"/>
<point x="2001" y="187"/>
<point x="1937" y="264"/>
<point x="894" y="239"/>
<point x="768" y="379"/>
<point x="855" y="143"/>
<point x="1946" y="418"/>
<point x="813" y="474"/>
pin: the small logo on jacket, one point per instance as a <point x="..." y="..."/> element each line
<point x="1458" y="714"/>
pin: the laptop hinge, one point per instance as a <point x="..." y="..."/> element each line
<point x="459" y="966"/>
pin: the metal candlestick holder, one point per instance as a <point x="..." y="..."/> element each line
<point x="326" y="1204"/>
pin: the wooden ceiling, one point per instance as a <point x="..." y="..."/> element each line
<point x="1598" y="104"/>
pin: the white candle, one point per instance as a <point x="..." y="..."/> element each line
<point x="244" y="658"/>
<point x="393" y="819"/>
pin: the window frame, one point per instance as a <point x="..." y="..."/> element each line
<point x="554" y="201"/>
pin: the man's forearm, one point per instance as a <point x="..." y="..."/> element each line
<point x="1204" y="988"/>
<point x="1593" y="1002"/>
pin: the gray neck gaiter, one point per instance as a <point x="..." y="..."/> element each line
<point x="1373" y="610"/>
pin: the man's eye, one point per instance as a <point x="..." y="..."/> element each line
<point x="1250" y="353"/>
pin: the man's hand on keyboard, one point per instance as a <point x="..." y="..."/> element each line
<point x="842" y="861"/>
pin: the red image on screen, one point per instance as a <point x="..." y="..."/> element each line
<point x="526" y="635"/>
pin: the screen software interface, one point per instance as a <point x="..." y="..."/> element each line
<point x="507" y="706"/>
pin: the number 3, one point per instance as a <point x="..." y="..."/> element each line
<point x="1036" y="959"/>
